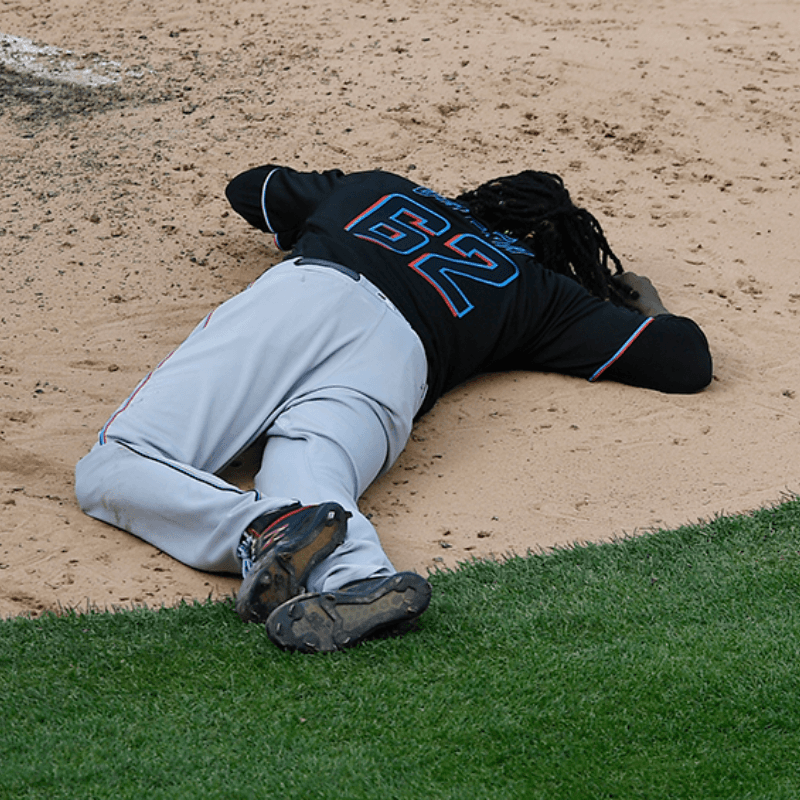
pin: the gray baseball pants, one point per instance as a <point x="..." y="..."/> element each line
<point x="321" y="363"/>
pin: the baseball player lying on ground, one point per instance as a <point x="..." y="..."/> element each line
<point x="391" y="296"/>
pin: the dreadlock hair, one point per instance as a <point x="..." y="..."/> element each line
<point x="536" y="208"/>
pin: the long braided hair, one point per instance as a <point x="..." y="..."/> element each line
<point x="536" y="208"/>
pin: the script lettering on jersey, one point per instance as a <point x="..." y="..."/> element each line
<point x="451" y="261"/>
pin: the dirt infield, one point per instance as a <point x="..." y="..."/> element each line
<point x="675" y="123"/>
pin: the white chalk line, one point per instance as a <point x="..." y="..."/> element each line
<point x="53" y="64"/>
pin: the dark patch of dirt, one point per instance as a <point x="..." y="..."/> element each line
<point x="34" y="102"/>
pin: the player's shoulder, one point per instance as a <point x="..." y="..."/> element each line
<point x="379" y="177"/>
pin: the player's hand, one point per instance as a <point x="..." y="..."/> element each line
<point x="646" y="299"/>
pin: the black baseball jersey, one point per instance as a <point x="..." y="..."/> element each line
<point x="478" y="299"/>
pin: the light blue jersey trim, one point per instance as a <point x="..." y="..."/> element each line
<point x="264" y="201"/>
<point x="634" y="336"/>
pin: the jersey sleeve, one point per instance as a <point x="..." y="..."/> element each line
<point x="245" y="194"/>
<point x="575" y="333"/>
<point x="279" y="200"/>
<point x="670" y="354"/>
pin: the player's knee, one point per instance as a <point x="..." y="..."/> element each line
<point x="85" y="483"/>
<point x="94" y="476"/>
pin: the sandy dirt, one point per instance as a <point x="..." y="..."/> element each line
<point x="675" y="123"/>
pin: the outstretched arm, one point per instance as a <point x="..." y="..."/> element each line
<point x="643" y="346"/>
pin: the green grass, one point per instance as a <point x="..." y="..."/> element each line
<point x="664" y="666"/>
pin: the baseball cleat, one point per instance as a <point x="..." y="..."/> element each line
<point x="284" y="546"/>
<point x="328" y="621"/>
